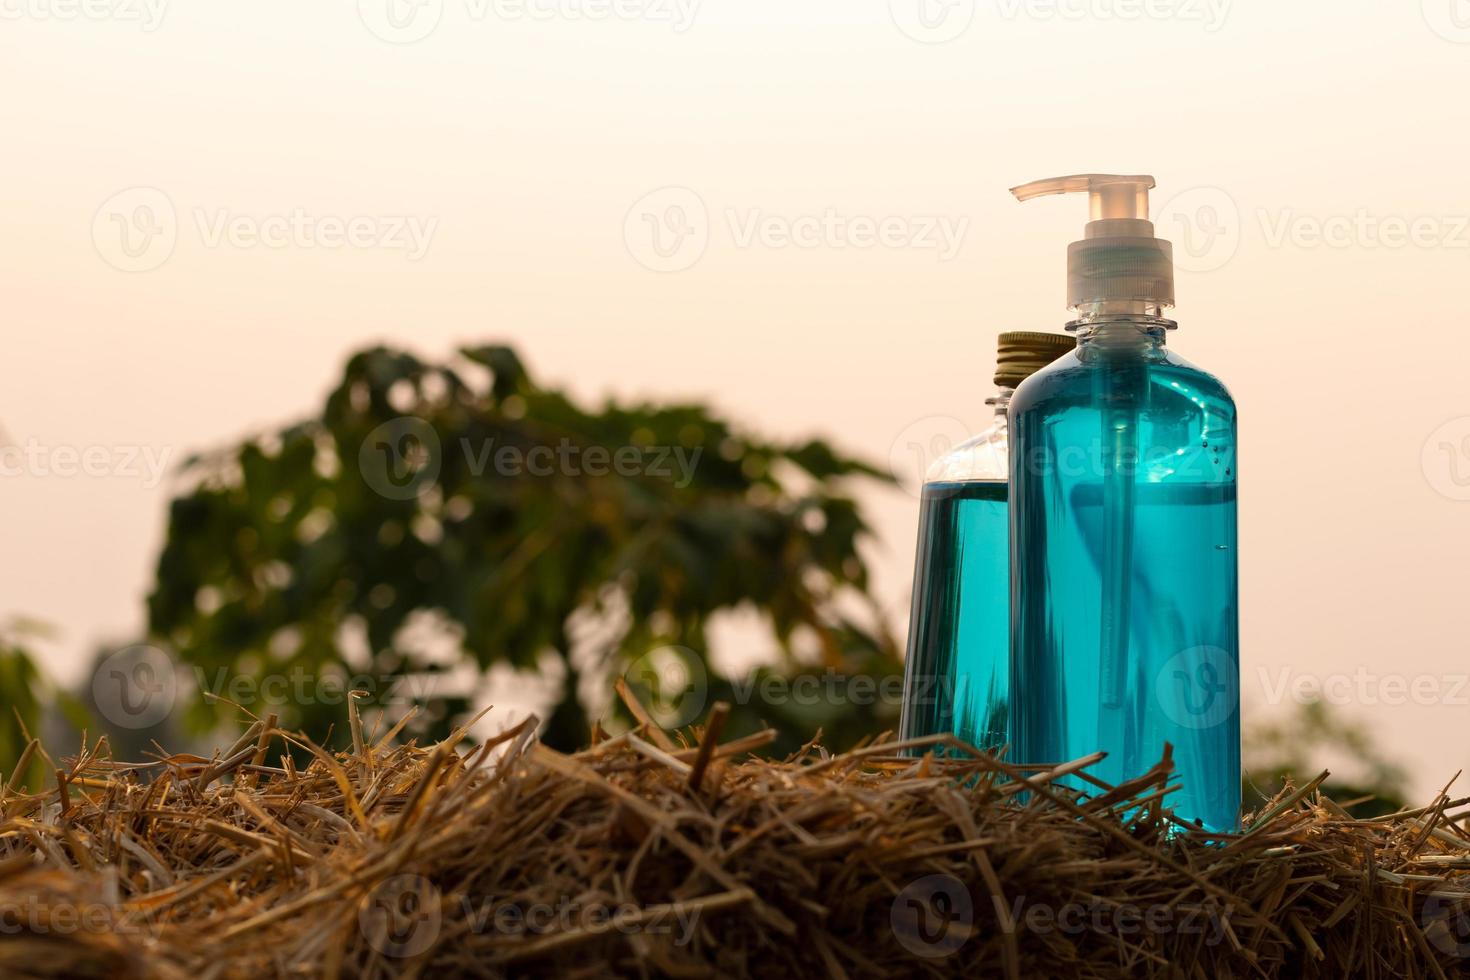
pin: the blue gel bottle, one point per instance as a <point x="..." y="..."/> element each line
<point x="1124" y="602"/>
<point x="957" y="669"/>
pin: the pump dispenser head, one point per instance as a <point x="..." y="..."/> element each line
<point x="1118" y="266"/>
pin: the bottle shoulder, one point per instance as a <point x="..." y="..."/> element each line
<point x="1074" y="378"/>
<point x="984" y="457"/>
<point x="1163" y="418"/>
<point x="1200" y="380"/>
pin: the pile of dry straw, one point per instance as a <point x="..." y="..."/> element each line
<point x="645" y="856"/>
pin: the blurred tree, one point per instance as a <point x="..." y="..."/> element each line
<point x="1293" y="748"/>
<point x="510" y="514"/>
<point x="27" y="696"/>
<point x="19" y="681"/>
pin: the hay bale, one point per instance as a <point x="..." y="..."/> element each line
<point x="644" y="856"/>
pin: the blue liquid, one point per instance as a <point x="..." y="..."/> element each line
<point x="957" y="673"/>
<point x="1125" y="616"/>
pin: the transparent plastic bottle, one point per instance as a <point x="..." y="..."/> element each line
<point x="1125" y="596"/>
<point x="957" y="671"/>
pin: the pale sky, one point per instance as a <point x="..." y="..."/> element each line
<point x="832" y="250"/>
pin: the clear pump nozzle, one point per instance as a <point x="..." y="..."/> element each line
<point x="1109" y="195"/>
<point x="1119" y="264"/>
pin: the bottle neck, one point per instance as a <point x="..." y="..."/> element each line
<point x="1001" y="401"/>
<point x="1145" y="331"/>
